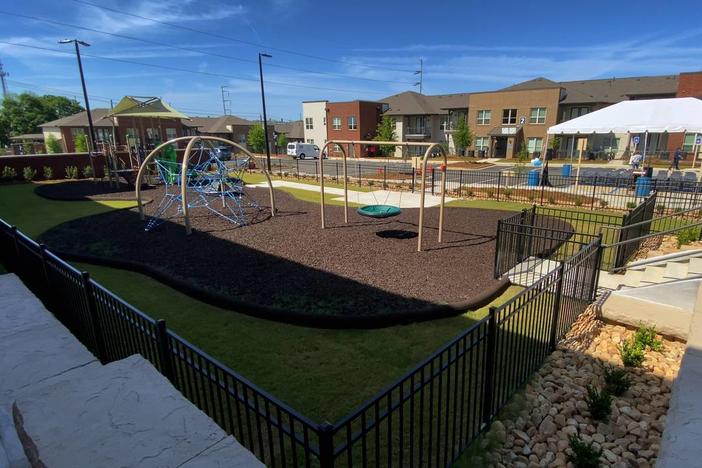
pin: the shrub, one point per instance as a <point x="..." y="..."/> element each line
<point x="583" y="455"/>
<point x="9" y="173"/>
<point x="531" y="197"/>
<point x="578" y="201"/>
<point x="631" y="205"/>
<point x="551" y="199"/>
<point x="631" y="353"/>
<point x="645" y="338"/>
<point x="470" y="193"/>
<point x="604" y="203"/>
<point x="490" y="193"/>
<point x="617" y="381"/>
<point x="28" y="173"/>
<point x="47" y="172"/>
<point x="599" y="403"/>
<point x="71" y="172"/>
<point x="81" y="143"/>
<point x="508" y="193"/>
<point x="88" y="172"/>
<point x="52" y="144"/>
<point x="687" y="236"/>
<point x="660" y="209"/>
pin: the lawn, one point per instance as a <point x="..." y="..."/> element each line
<point x="322" y="373"/>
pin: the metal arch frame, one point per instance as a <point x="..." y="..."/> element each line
<point x="430" y="148"/>
<point x="184" y="173"/>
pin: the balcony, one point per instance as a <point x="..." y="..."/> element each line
<point x="418" y="132"/>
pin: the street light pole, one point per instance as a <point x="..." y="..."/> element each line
<point x="265" y="118"/>
<point x="91" y="128"/>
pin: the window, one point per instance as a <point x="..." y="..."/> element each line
<point x="535" y="144"/>
<point x="509" y="116"/>
<point x="352" y="123"/>
<point x="336" y="123"/>
<point x="103" y="134"/>
<point x="484" y="117"/>
<point x="133" y="137"/>
<point x="310" y="141"/>
<point x="482" y="143"/>
<point x="242" y="138"/>
<point x="153" y="136"/>
<point x="575" y="112"/>
<point x="537" y="115"/>
<point x="75" y="131"/>
<point x="170" y="133"/>
<point x="308" y="123"/>
<point x="689" y="142"/>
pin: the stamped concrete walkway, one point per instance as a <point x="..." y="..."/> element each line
<point x="69" y="410"/>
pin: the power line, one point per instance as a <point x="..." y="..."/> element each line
<point x="3" y="75"/>
<point x="184" y="70"/>
<point x="191" y="49"/>
<point x="241" y="41"/>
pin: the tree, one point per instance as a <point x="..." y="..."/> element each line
<point x="80" y="142"/>
<point x="386" y="132"/>
<point x="24" y="113"/>
<point x="282" y="141"/>
<point x="52" y="144"/>
<point x="257" y="138"/>
<point x="463" y="136"/>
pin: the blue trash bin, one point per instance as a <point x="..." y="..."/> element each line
<point x="643" y="186"/>
<point x="533" y="179"/>
<point x="565" y="171"/>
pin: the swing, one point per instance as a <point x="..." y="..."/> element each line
<point x="380" y="211"/>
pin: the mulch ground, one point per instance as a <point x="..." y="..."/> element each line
<point x="287" y="262"/>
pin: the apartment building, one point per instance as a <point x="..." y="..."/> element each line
<point x="314" y="119"/>
<point x="354" y="120"/>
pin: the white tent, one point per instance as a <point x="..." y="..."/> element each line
<point x="673" y="115"/>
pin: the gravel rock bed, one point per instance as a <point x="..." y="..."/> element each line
<point x="556" y="407"/>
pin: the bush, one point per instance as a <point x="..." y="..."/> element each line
<point x="470" y="193"/>
<point x="47" y="172"/>
<point x="617" y="381"/>
<point x="88" y="172"/>
<point x="604" y="203"/>
<point x="71" y="172"/>
<point x="599" y="403"/>
<point x="490" y="193"/>
<point x="578" y="201"/>
<point x="551" y="199"/>
<point x="583" y="454"/>
<point x="631" y="353"/>
<point x="687" y="236"/>
<point x="660" y="209"/>
<point x="531" y="197"/>
<point x="81" y="143"/>
<point x="631" y="205"/>
<point x="8" y="173"/>
<point x="645" y="338"/>
<point x="52" y="144"/>
<point x="28" y="173"/>
<point x="508" y="193"/>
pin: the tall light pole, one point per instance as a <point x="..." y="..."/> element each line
<point x="265" y="118"/>
<point x="77" y="44"/>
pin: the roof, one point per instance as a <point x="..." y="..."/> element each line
<point x="216" y="124"/>
<point x="140" y="106"/>
<point x="291" y="129"/>
<point x="81" y="119"/>
<point x="414" y="103"/>
<point x="529" y="85"/>
<point x="28" y="136"/>
<point x="674" y="115"/>
<point x="612" y="90"/>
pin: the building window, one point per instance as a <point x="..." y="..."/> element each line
<point x="336" y="123"/>
<point x="133" y="137"/>
<point x="575" y="112"/>
<point x="352" y="123"/>
<point x="103" y="135"/>
<point x="509" y="116"/>
<point x="242" y="138"/>
<point x="484" y="117"/>
<point x="482" y="143"/>
<point x="534" y="145"/>
<point x="310" y="141"/>
<point x="308" y="123"/>
<point x="689" y="142"/>
<point x="537" y="115"/>
<point x="153" y="136"/>
<point x="170" y="133"/>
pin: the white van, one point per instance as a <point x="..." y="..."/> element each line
<point x="303" y="150"/>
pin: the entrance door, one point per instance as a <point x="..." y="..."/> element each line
<point x="500" y="147"/>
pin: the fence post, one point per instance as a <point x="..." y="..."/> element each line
<point x="522" y="236"/>
<point x="358" y="170"/>
<point x="460" y="183"/>
<point x="488" y="388"/>
<point x="280" y="167"/>
<point x="94" y="318"/>
<point x="297" y="168"/>
<point x="164" y="351"/>
<point x="413" y="172"/>
<point x="385" y="177"/>
<point x="594" y="192"/>
<point x="556" y="307"/>
<point x="336" y="165"/>
<point x="543" y="186"/>
<point x="499" y="182"/>
<point x="316" y="171"/>
<point x="598" y="266"/>
<point x="432" y="179"/>
<point x="498" y="248"/>
<point x="326" y="445"/>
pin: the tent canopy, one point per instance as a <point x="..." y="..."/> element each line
<point x="674" y="115"/>
<point x="138" y="106"/>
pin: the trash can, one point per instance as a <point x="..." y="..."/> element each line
<point x="643" y="186"/>
<point x="533" y="178"/>
<point x="565" y="170"/>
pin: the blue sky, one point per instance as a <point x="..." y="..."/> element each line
<point x="335" y="50"/>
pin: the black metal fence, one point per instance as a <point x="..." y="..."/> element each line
<point x="618" y="191"/>
<point x="426" y="418"/>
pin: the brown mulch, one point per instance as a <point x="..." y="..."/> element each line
<point x="287" y="262"/>
<point x="88" y="190"/>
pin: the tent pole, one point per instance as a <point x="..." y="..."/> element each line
<point x="643" y="161"/>
<point x="580" y="161"/>
<point x="572" y="148"/>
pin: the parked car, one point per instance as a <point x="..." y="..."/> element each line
<point x="300" y="150"/>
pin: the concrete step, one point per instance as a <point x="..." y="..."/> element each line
<point x="677" y="270"/>
<point x="633" y="277"/>
<point x="695" y="266"/>
<point x="653" y="274"/>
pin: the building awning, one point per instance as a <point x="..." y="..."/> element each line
<point x="28" y="136"/>
<point x="505" y="130"/>
<point x="145" y="107"/>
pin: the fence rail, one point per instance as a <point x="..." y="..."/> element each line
<point x="426" y="418"/>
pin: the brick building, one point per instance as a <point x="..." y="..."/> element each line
<point x="355" y="120"/>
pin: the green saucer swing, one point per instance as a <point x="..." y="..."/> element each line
<point x="379" y="211"/>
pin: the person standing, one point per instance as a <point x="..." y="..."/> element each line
<point x="677" y="158"/>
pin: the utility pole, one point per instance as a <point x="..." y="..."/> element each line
<point x="3" y="74"/>
<point x="226" y="102"/>
<point x="420" y="72"/>
<point x="265" y="119"/>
